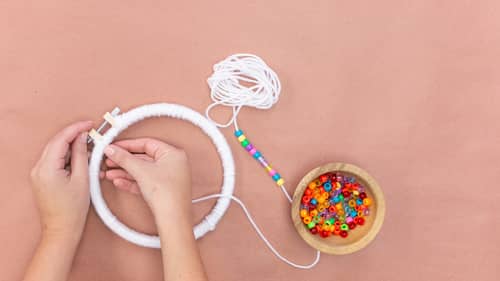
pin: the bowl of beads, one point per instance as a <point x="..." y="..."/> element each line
<point x="338" y="208"/>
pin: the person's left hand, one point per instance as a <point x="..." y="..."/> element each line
<point x="62" y="194"/>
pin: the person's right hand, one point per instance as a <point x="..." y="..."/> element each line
<point x="159" y="170"/>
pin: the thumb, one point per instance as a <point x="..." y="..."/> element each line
<point x="123" y="158"/>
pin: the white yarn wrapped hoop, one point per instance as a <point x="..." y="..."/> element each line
<point x="125" y="120"/>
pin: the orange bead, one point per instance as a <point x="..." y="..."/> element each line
<point x="303" y="213"/>
<point x="367" y="201"/>
<point x="313" y="213"/>
<point x="312" y="185"/>
<point x="307" y="219"/>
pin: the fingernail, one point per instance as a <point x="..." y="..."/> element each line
<point x="109" y="150"/>
<point x="83" y="137"/>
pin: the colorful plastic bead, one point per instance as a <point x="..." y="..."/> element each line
<point x="333" y="203"/>
<point x="307" y="219"/>
<point x="238" y="133"/>
<point x="276" y="176"/>
<point x="244" y="143"/>
<point x="303" y="213"/>
<point x="367" y="201"/>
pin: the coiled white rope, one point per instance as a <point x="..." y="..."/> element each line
<point x="242" y="80"/>
<point x="246" y="80"/>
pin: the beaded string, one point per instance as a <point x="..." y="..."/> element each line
<point x="246" y="80"/>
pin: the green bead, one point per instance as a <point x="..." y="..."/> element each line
<point x="331" y="220"/>
<point x="344" y="227"/>
<point x="341" y="197"/>
<point x="316" y="219"/>
<point x="244" y="143"/>
<point x="311" y="225"/>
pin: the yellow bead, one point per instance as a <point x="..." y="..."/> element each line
<point x="280" y="182"/>
<point x="321" y="199"/>
<point x="268" y="168"/>
<point x="352" y="203"/>
<point x="321" y="208"/>
<point x="313" y="213"/>
<point x="242" y="138"/>
<point x="355" y="192"/>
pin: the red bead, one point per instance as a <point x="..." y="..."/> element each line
<point x="306" y="198"/>
<point x="314" y="230"/>
<point x="323" y="178"/>
<point x="346" y="193"/>
<point x="325" y="233"/>
<point x="362" y="195"/>
<point x="321" y="189"/>
<point x="351" y="225"/>
<point x="308" y="192"/>
<point x="343" y="234"/>
<point x="360" y="221"/>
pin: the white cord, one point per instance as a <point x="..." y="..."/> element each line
<point x="259" y="232"/>
<point x="246" y="80"/>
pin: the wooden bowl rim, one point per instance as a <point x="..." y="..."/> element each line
<point x="330" y="248"/>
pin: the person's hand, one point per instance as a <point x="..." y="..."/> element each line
<point x="157" y="170"/>
<point x="62" y="194"/>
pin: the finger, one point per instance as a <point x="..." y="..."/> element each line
<point x="124" y="159"/>
<point x="111" y="164"/>
<point x="102" y="175"/>
<point x="58" y="146"/>
<point x="118" y="173"/>
<point x="127" y="185"/>
<point x="79" y="158"/>
<point x="152" y="147"/>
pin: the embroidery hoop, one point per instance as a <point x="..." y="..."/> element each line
<point x="123" y="121"/>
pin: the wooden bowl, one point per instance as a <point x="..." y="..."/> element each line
<point x="359" y="237"/>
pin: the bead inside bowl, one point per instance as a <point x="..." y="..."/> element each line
<point x="358" y="237"/>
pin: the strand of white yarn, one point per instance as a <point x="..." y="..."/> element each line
<point x="246" y="80"/>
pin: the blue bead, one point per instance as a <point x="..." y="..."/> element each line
<point x="276" y="177"/>
<point x="257" y="155"/>
<point x="313" y="201"/>
<point x="336" y="199"/>
<point x="359" y="201"/>
<point x="327" y="186"/>
<point x="354" y="214"/>
<point x="238" y="133"/>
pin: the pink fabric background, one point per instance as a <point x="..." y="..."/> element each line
<point x="408" y="90"/>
